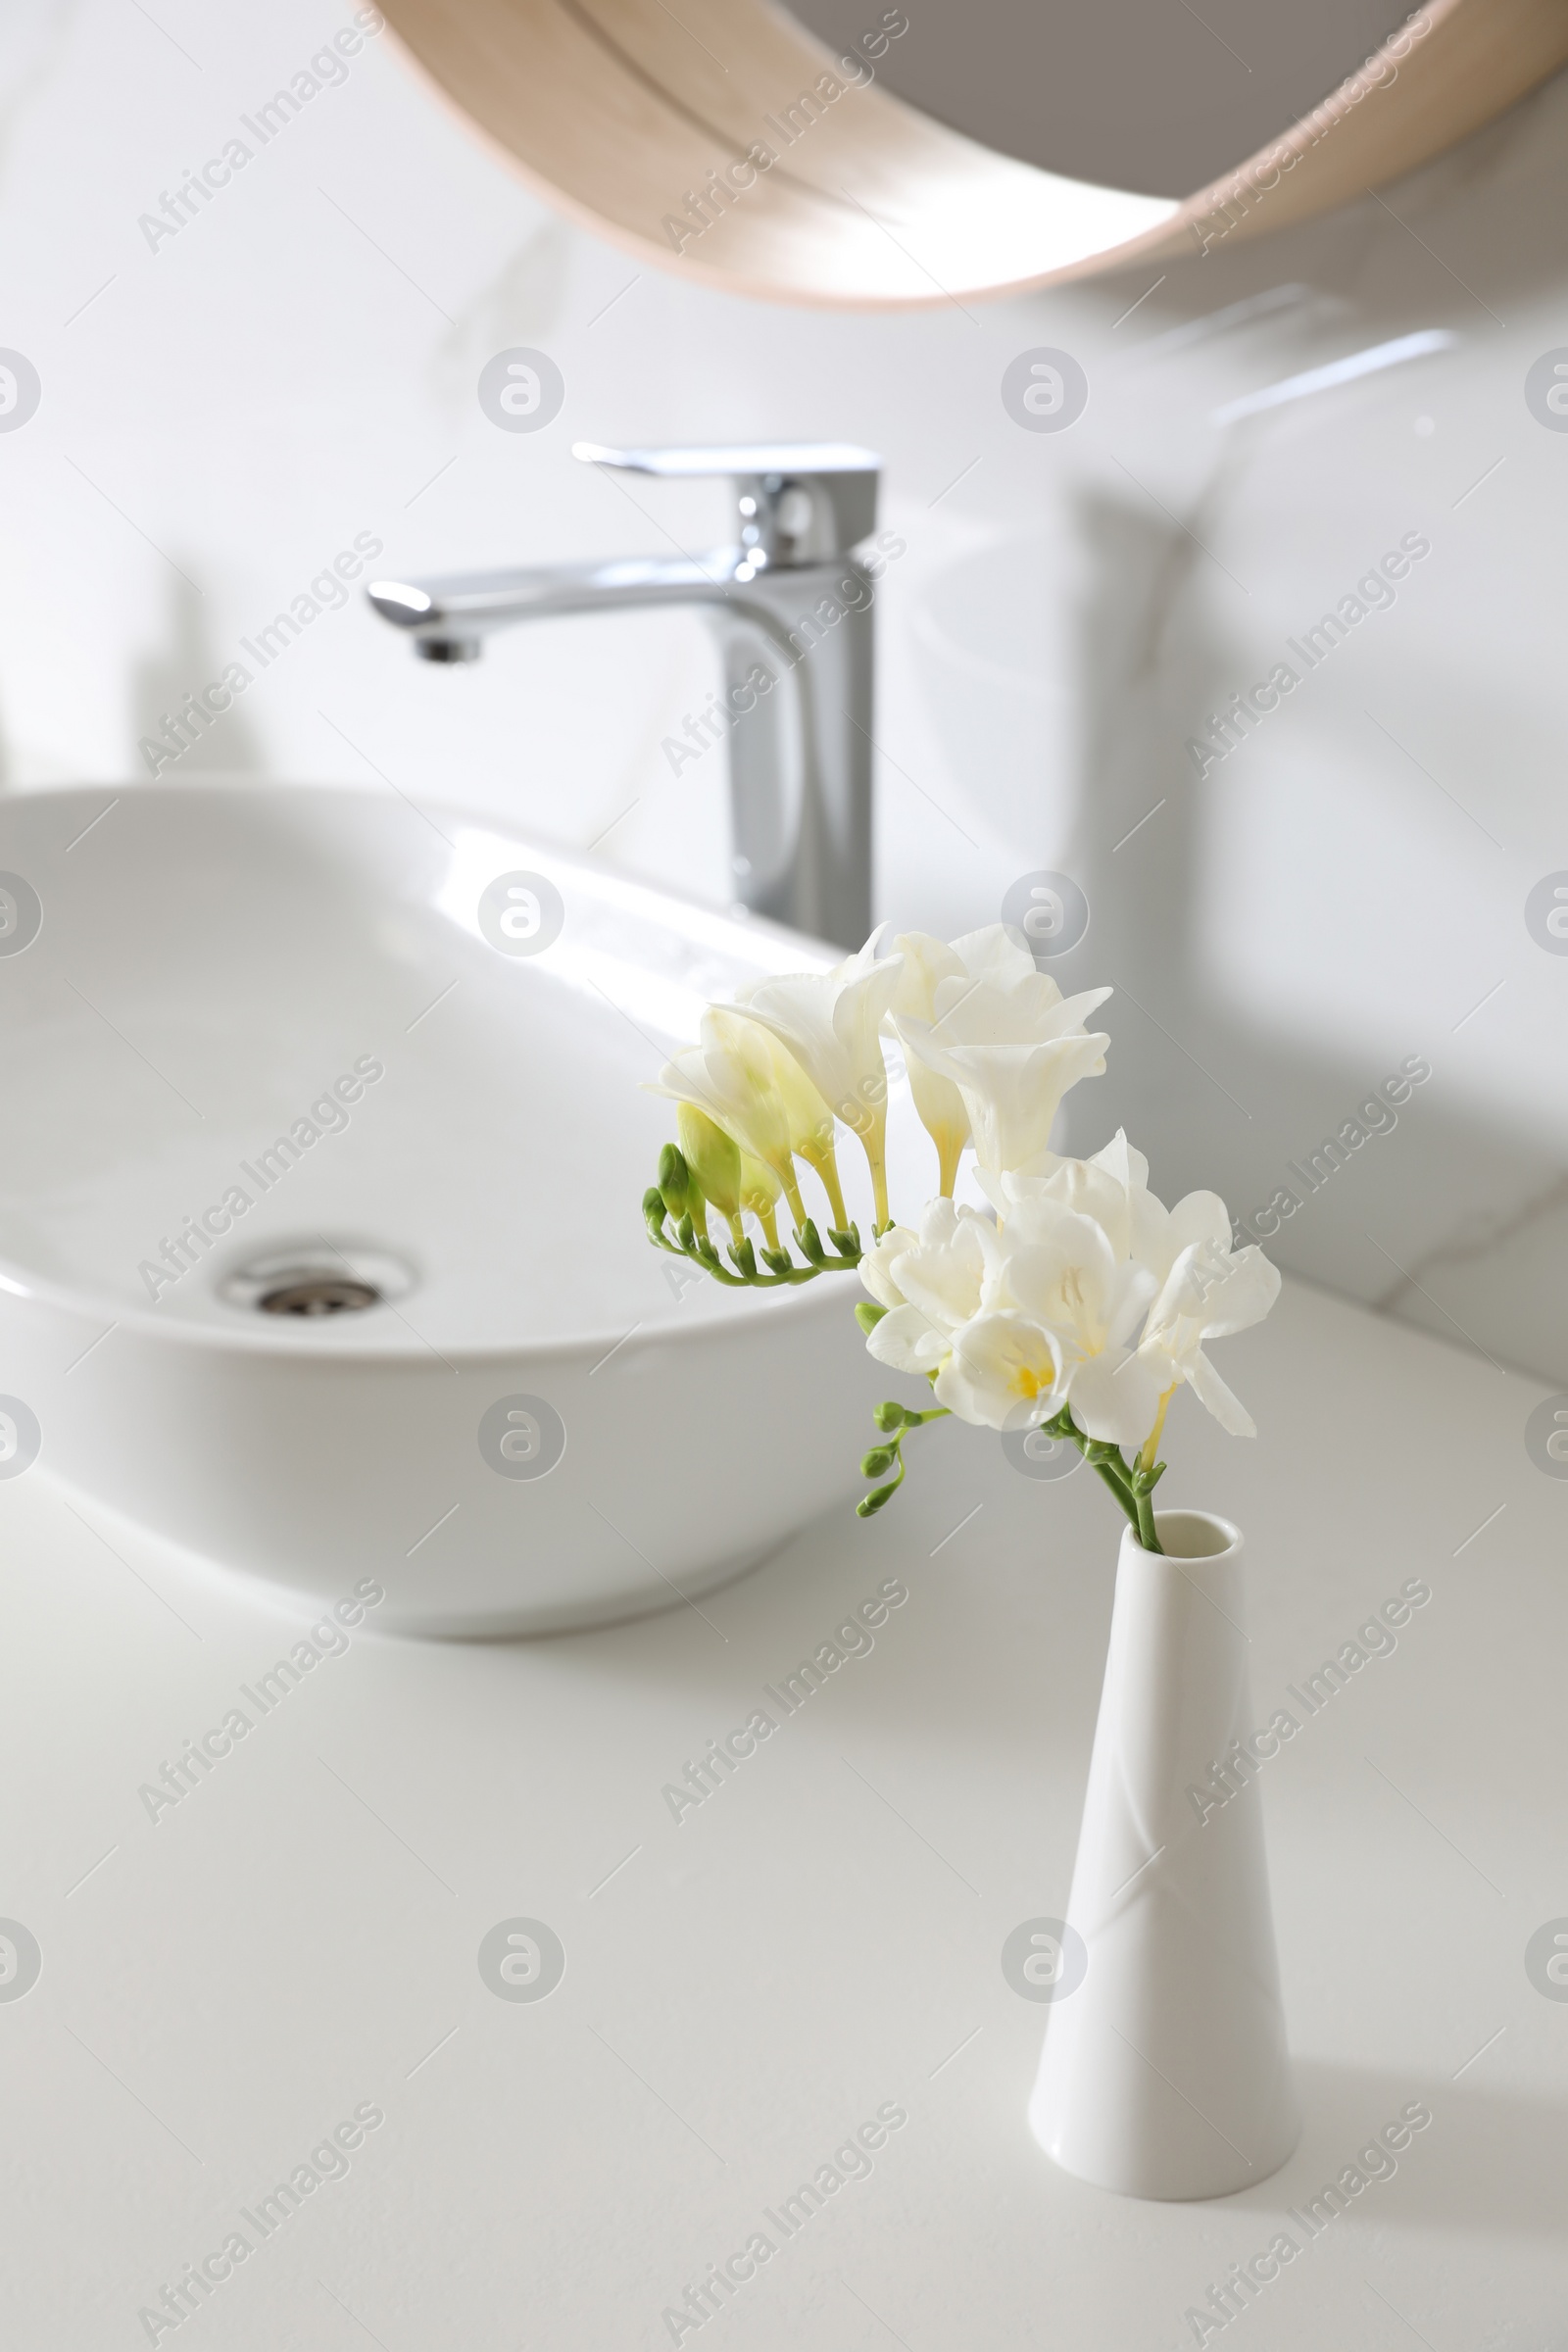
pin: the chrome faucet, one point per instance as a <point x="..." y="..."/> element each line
<point x="790" y="607"/>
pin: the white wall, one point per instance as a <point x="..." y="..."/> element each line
<point x="220" y="415"/>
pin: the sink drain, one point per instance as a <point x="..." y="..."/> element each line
<point x="318" y="1294"/>
<point x="317" y="1278"/>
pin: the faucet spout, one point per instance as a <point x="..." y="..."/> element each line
<point x="790" y="609"/>
<point x="472" y="605"/>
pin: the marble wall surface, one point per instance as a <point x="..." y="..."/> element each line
<point x="1289" y="918"/>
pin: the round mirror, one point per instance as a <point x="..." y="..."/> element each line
<point x="1148" y="95"/>
<point x="877" y="155"/>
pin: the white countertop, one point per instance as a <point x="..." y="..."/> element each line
<point x="820" y="1939"/>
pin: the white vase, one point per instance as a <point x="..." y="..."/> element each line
<point x="1166" y="2071"/>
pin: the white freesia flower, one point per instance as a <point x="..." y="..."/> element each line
<point x="1064" y="1270"/>
<point x="831" y="1022"/>
<point x="1207" y="1289"/>
<point x="930" y="1282"/>
<point x="1209" y="1292"/>
<point x="1005" y="1371"/>
<point x="1179" y="1260"/>
<point x="992" y="957"/>
<point x="937" y="1100"/>
<point x="1004" y="1036"/>
<point x="1112" y="1188"/>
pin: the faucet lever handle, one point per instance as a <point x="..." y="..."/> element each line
<point x="798" y="501"/>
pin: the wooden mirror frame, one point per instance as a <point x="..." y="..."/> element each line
<point x="651" y="130"/>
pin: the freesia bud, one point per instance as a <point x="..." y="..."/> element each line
<point x="714" y="1159"/>
<point x="673" y="1183"/>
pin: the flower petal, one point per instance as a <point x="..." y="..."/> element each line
<point x="1201" y="1217"/>
<point x="879" y="1265"/>
<point x="831" y="1022"/>
<point x="995" y="954"/>
<point x="1245" y="1295"/>
<point x="906" y="1341"/>
<point x="942" y="1274"/>
<point x="1116" y="1399"/>
<point x="1209" y="1389"/>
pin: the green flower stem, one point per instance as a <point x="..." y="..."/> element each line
<point x="1117" y="1485"/>
<point x="674" y="1213"/>
<point x="1145" y="1477"/>
<point x="1131" y="1483"/>
<point x="895" y="1421"/>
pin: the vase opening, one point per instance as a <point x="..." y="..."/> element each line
<point x="1196" y="1535"/>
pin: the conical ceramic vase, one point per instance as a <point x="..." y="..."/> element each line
<point x="1166" y="2071"/>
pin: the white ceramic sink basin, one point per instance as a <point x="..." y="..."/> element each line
<point x="267" y="1026"/>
